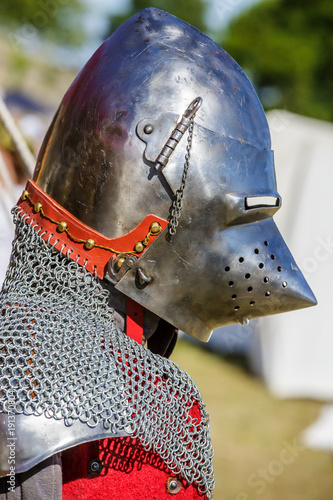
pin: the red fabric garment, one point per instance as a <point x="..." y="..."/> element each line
<point x="130" y="473"/>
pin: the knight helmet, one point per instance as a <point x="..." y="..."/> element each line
<point x="162" y="122"/>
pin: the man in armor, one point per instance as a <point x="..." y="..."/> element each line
<point x="150" y="210"/>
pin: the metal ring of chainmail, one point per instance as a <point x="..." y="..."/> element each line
<point x="62" y="355"/>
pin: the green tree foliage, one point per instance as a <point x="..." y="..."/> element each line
<point x="191" y="11"/>
<point x="55" y="19"/>
<point x="286" y="47"/>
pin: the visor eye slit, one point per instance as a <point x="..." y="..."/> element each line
<point x="255" y="202"/>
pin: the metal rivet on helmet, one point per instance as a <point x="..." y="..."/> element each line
<point x="148" y="129"/>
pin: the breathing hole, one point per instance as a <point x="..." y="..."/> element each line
<point x="261" y="265"/>
<point x="284" y="284"/>
<point x="256" y="250"/>
<point x="273" y="256"/>
<point x="266" y="243"/>
<point x="241" y="259"/>
<point x="267" y="294"/>
<point x="266" y="279"/>
<point x="250" y="289"/>
<point x="247" y="276"/>
<point x="279" y="268"/>
<point x="252" y="302"/>
<point x="236" y="308"/>
<point x="234" y="296"/>
<point x="231" y="283"/>
<point x="227" y="269"/>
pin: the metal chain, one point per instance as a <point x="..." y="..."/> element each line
<point x="177" y="203"/>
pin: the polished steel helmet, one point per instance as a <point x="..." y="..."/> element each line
<point x="161" y="120"/>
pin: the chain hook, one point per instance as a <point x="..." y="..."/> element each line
<point x="177" y="133"/>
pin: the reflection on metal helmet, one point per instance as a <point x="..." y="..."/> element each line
<point x="158" y="106"/>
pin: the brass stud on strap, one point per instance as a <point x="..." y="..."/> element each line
<point x="139" y="247"/>
<point x="120" y="262"/>
<point x="89" y="244"/>
<point x="155" y="228"/>
<point x="38" y="206"/>
<point x="62" y="226"/>
<point x="25" y="194"/>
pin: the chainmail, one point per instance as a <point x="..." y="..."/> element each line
<point x="62" y="356"/>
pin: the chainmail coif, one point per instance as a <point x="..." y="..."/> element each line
<point x="62" y="356"/>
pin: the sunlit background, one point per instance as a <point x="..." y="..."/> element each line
<point x="269" y="385"/>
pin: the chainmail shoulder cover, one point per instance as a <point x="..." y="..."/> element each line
<point x="62" y="356"/>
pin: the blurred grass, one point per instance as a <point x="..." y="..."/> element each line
<point x="250" y="429"/>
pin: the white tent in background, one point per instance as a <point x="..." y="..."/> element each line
<point x="296" y="349"/>
<point x="293" y="352"/>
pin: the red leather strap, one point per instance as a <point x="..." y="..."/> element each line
<point x="95" y="259"/>
<point x="134" y="320"/>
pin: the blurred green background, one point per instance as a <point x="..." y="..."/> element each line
<point x="286" y="48"/>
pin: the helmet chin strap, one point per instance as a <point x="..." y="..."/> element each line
<point x="161" y="336"/>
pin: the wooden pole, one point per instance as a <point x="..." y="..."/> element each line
<point x="20" y="144"/>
